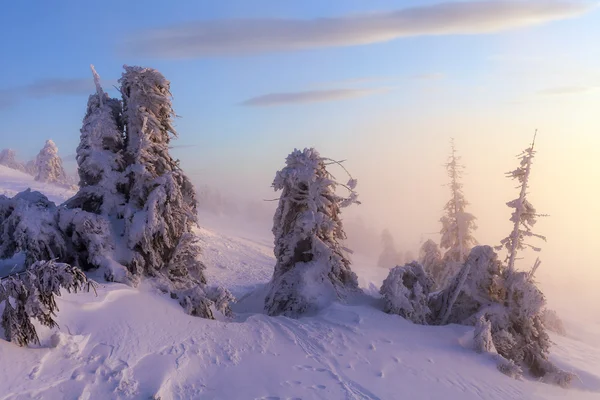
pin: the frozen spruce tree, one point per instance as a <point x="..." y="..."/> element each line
<point x="161" y="201"/>
<point x="8" y="158"/>
<point x="100" y="155"/>
<point x="389" y="256"/>
<point x="48" y="165"/>
<point x="457" y="224"/>
<point x="430" y="258"/>
<point x="161" y="209"/>
<point x="312" y="267"/>
<point x="524" y="215"/>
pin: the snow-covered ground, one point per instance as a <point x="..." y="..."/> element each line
<point x="13" y="182"/>
<point x="138" y="343"/>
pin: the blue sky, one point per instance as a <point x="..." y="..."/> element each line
<point x="43" y="41"/>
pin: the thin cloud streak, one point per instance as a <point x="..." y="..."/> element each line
<point x="557" y="91"/>
<point x="49" y="88"/>
<point x="236" y="37"/>
<point x="309" y="96"/>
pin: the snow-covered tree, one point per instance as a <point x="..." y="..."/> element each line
<point x="30" y="168"/>
<point x="161" y="205"/>
<point x="430" y="258"/>
<point x="513" y="305"/>
<point x="30" y="294"/>
<point x="312" y="267"/>
<point x="457" y="224"/>
<point x="8" y="158"/>
<point x="28" y="225"/>
<point x="405" y="292"/>
<point x="161" y="209"/>
<point x="389" y="256"/>
<point x="48" y="165"/>
<point x="524" y="215"/>
<point x="100" y="155"/>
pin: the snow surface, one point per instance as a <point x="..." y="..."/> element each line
<point x="13" y="182"/>
<point x="138" y="343"/>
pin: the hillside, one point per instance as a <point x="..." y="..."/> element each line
<point x="137" y="343"/>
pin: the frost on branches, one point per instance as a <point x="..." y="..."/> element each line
<point x="161" y="208"/>
<point x="512" y="304"/>
<point x="405" y="292"/>
<point x="30" y="294"/>
<point x="389" y="256"/>
<point x="457" y="224"/>
<point x="48" y="165"/>
<point x="161" y="201"/>
<point x="312" y="267"/>
<point x="430" y="258"/>
<point x="8" y="158"/>
<point x="100" y="155"/>
<point x="524" y="215"/>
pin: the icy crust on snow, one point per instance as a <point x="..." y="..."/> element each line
<point x="137" y="343"/>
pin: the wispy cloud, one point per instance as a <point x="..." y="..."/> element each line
<point x="309" y="96"/>
<point x="58" y="87"/>
<point x="48" y="88"/>
<point x="562" y="90"/>
<point x="252" y="36"/>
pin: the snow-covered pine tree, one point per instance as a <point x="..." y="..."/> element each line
<point x="430" y="258"/>
<point x="524" y="215"/>
<point x="30" y="294"/>
<point x="389" y="257"/>
<point x="48" y="165"/>
<point x="8" y="158"/>
<point x="312" y="267"/>
<point x="161" y="209"/>
<point x="100" y="155"/>
<point x="457" y="224"/>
